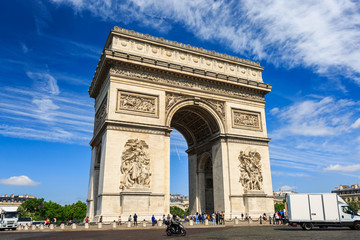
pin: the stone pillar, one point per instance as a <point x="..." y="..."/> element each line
<point x="62" y="226"/>
<point x="159" y="223"/>
<point x="129" y="224"/>
<point x="201" y="192"/>
<point x="206" y="222"/>
<point x="73" y="226"/>
<point x="90" y="200"/>
<point x="86" y="225"/>
<point x="52" y="226"/>
<point x="33" y="227"/>
<point x="114" y="225"/>
<point x="236" y="221"/>
<point x="99" y="225"/>
<point x="191" y="222"/>
<point x="144" y="223"/>
<point x="41" y="226"/>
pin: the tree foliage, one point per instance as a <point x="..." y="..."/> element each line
<point x="354" y="205"/>
<point x="38" y="209"/>
<point x="280" y="206"/>
<point x="178" y="211"/>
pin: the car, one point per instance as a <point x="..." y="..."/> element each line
<point x="38" y="223"/>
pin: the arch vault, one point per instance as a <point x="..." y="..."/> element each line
<point x="144" y="87"/>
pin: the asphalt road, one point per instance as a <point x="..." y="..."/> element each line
<point x="253" y="232"/>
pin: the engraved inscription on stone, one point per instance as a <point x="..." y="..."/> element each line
<point x="135" y="165"/>
<point x="246" y="119"/>
<point x="137" y="103"/>
<point x="250" y="170"/>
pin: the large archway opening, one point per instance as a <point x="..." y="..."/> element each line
<point x="199" y="128"/>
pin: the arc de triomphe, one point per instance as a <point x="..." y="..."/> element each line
<point x="144" y="87"/>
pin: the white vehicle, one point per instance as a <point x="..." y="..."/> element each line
<point x="320" y="210"/>
<point x="9" y="218"/>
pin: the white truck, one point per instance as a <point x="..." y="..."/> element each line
<point x="9" y="218"/>
<point x="320" y="210"/>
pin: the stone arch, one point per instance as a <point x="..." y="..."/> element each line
<point x="204" y="112"/>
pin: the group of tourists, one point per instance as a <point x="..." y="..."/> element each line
<point x="216" y="218"/>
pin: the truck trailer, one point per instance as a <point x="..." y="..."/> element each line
<point x="320" y="210"/>
<point x="8" y="218"/>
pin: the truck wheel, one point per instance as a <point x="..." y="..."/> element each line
<point x="307" y="226"/>
<point x="357" y="226"/>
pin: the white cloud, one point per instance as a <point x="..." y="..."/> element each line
<point x="44" y="82"/>
<point x="19" y="181"/>
<point x="356" y="124"/>
<point x="319" y="117"/>
<point x="323" y="35"/>
<point x="287" y="188"/>
<point x="343" y="168"/>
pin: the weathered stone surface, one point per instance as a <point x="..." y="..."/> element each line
<point x="144" y="88"/>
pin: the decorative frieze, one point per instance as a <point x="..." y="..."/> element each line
<point x="246" y="119"/>
<point x="185" y="83"/>
<point x="250" y="170"/>
<point x="135" y="164"/>
<point x="138" y="103"/>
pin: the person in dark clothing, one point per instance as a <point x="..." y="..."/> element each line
<point x="217" y="218"/>
<point x="135" y="219"/>
<point x="175" y="222"/>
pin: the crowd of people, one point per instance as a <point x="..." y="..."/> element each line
<point x="216" y="218"/>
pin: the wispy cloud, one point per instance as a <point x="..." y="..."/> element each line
<point x="287" y="188"/>
<point x="19" y="181"/>
<point x="43" y="112"/>
<point x="317" y="117"/>
<point x="343" y="168"/>
<point x="323" y="35"/>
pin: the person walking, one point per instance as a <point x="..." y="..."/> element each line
<point x="164" y="219"/>
<point x="119" y="220"/>
<point x="129" y="218"/>
<point x="101" y="219"/>
<point x="87" y="219"/>
<point x="153" y="220"/>
<point x="213" y="217"/>
<point x="135" y="220"/>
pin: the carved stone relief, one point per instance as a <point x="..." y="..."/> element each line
<point x="137" y="103"/>
<point x="250" y="170"/>
<point x="246" y="119"/>
<point x="100" y="114"/>
<point x="219" y="107"/>
<point x="185" y="83"/>
<point x="172" y="99"/>
<point x="135" y="165"/>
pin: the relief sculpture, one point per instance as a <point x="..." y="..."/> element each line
<point x="250" y="170"/>
<point x="137" y="103"/>
<point x="247" y="120"/>
<point x="135" y="166"/>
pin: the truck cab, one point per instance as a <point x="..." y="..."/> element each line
<point x="8" y="218"/>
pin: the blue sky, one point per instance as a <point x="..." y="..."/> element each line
<point x="49" y="51"/>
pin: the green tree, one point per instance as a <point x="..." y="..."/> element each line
<point x="354" y="205"/>
<point x="179" y="212"/>
<point x="279" y="206"/>
<point x="32" y="208"/>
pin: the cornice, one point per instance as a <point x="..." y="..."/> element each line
<point x="130" y="33"/>
<point x="110" y="57"/>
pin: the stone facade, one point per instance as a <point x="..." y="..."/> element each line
<point x="144" y="87"/>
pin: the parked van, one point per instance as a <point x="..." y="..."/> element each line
<point x="320" y="210"/>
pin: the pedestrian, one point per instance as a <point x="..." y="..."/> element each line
<point x="197" y="218"/>
<point x="87" y="219"/>
<point x="168" y="218"/>
<point x="153" y="220"/>
<point x="54" y="221"/>
<point x="129" y="218"/>
<point x="213" y="217"/>
<point x="217" y="218"/>
<point x="246" y="217"/>
<point x="222" y="218"/>
<point x="101" y="219"/>
<point x="135" y="219"/>
<point x="119" y="220"/>
<point x="242" y="216"/>
<point x="164" y="219"/>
